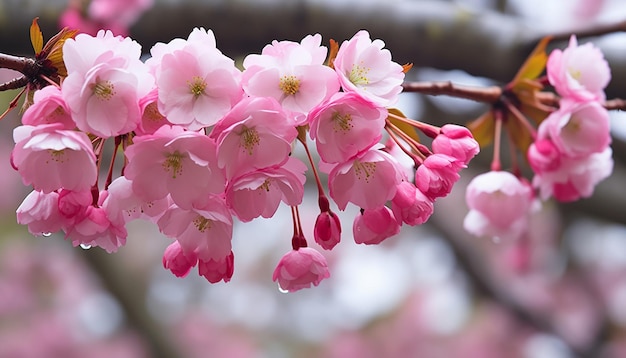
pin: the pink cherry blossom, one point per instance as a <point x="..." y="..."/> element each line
<point x="105" y="82"/>
<point x="197" y="84"/>
<point x="95" y="229"/>
<point x="41" y="213"/>
<point x="368" y="180"/>
<point x="575" y="178"/>
<point x="206" y="230"/>
<point x="345" y="126"/>
<point x="327" y="230"/>
<point x="48" y="107"/>
<point x="437" y="174"/>
<point x="122" y="205"/>
<point x="578" y="129"/>
<point x="410" y="205"/>
<point x="151" y="118"/>
<point x="260" y="192"/>
<point x="457" y="142"/>
<point x="373" y="226"/>
<point x="173" y="161"/>
<point x="499" y="205"/>
<point x="543" y="155"/>
<point x="73" y="204"/>
<point x="255" y="134"/>
<point x="50" y="158"/>
<point x="580" y="72"/>
<point x="292" y="73"/>
<point x="299" y="269"/>
<point x="364" y="66"/>
<point x="178" y="262"/>
<point x="217" y="270"/>
<point x="118" y="13"/>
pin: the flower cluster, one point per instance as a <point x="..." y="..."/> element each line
<point x="205" y="143"/>
<point x="569" y="153"/>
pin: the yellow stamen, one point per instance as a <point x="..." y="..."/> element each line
<point x="290" y="85"/>
<point x="202" y="224"/>
<point x="342" y="123"/>
<point x="249" y="139"/>
<point x="197" y="86"/>
<point x="358" y="74"/>
<point x="364" y="171"/>
<point x="104" y="90"/>
<point x="174" y="163"/>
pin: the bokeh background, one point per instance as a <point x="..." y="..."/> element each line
<point x="432" y="291"/>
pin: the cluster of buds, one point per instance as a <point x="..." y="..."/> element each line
<point x="569" y="152"/>
<point x="205" y="143"/>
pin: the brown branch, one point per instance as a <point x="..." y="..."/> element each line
<point x="14" y="83"/>
<point x="489" y="94"/>
<point x="615" y="103"/>
<point x="24" y="65"/>
<point x="592" y="31"/>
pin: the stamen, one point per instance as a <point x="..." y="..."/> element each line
<point x="174" y="163"/>
<point x="197" y="86"/>
<point x="202" y="224"/>
<point x="290" y="85"/>
<point x="342" y="123"/>
<point x="249" y="139"/>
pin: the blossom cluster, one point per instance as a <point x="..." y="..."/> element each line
<point x="205" y="143"/>
<point x="570" y="153"/>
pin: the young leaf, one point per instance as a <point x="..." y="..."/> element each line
<point x="534" y="64"/>
<point x="36" y="37"/>
<point x="404" y="127"/>
<point x="483" y="128"/>
<point x="334" y="48"/>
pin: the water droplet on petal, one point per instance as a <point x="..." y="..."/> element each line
<point x="85" y="246"/>
<point x="282" y="290"/>
<point x="46" y="234"/>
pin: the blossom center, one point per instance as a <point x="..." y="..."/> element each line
<point x="290" y="85"/>
<point x="249" y="139"/>
<point x="358" y="74"/>
<point x="174" y="164"/>
<point x="575" y="73"/>
<point x="56" y="155"/>
<point x="342" y="123"/>
<point x="197" y="86"/>
<point x="202" y="224"/>
<point x="152" y="113"/>
<point x="364" y="171"/>
<point x="104" y="90"/>
<point x="266" y="185"/>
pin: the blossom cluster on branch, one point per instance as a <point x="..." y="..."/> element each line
<point x="205" y="143"/>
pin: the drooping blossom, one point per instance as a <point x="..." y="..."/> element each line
<point x="543" y="155"/>
<point x="72" y="204"/>
<point x="373" y="226"/>
<point x="499" y="205"/>
<point x="204" y="229"/>
<point x="345" y="126"/>
<point x="94" y="228"/>
<point x="151" y="118"/>
<point x="197" y="83"/>
<point x="106" y="79"/>
<point x="436" y="176"/>
<point x="301" y="268"/>
<point x="173" y="161"/>
<point x="365" y="66"/>
<point x="48" y="107"/>
<point x="260" y="192"/>
<point x="255" y="134"/>
<point x="217" y="270"/>
<point x="457" y="142"/>
<point x="577" y="129"/>
<point x="292" y="73"/>
<point x="580" y="72"/>
<point x="574" y="178"/>
<point x="175" y="260"/>
<point x="368" y="180"/>
<point x="40" y="212"/>
<point x="50" y="158"/>
<point x="410" y="205"/>
<point x="122" y="205"/>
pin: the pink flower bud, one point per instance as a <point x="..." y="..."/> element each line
<point x="217" y="270"/>
<point x="373" y="226"/>
<point x="327" y="230"/>
<point x="457" y="142"/>
<point x="176" y="261"/>
<point x="300" y="268"/>
<point x="410" y="205"/>
<point x="436" y="176"/>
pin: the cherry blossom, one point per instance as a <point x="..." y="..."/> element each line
<point x="48" y="107"/>
<point x="105" y="82"/>
<point x="292" y="73"/>
<point x="206" y="230"/>
<point x="345" y="126"/>
<point x="457" y="142"/>
<point x="579" y="72"/>
<point x="365" y="66"/>
<point x="299" y="269"/>
<point x="40" y="211"/>
<point x="368" y="180"/>
<point x="94" y="228"/>
<point x="173" y="161"/>
<point x="50" y="158"/>
<point x="373" y="226"/>
<point x="327" y="230"/>
<point x="410" y="205"/>
<point x="436" y="176"/>
<point x="260" y="192"/>
<point x="255" y="134"/>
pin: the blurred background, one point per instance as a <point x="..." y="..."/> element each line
<point x="432" y="291"/>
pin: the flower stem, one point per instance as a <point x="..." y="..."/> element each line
<point x="496" y="165"/>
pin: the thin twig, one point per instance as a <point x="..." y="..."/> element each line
<point x="489" y="94"/>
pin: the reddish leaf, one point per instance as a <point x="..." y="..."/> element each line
<point x="535" y="63"/>
<point x="483" y="129"/>
<point x="36" y="37"/>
